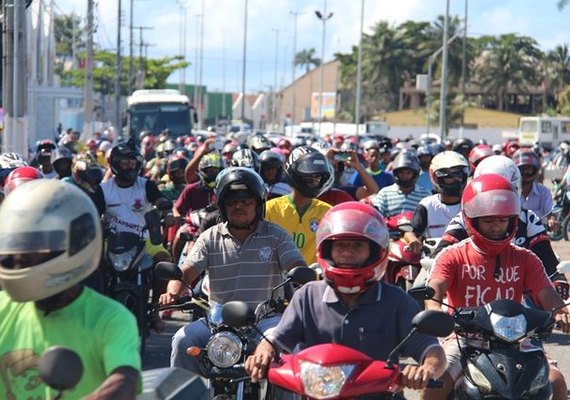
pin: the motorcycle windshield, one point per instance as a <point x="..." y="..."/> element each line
<point x="121" y="242"/>
<point x="215" y="315"/>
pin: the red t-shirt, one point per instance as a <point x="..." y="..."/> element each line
<point x="194" y="197"/>
<point x="471" y="275"/>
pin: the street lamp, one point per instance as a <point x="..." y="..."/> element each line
<point x="274" y="103"/>
<point x="294" y="97"/>
<point x="243" y="64"/>
<point x="443" y="85"/>
<point x="323" y="17"/>
<point x="359" y="71"/>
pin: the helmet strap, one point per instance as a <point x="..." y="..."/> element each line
<point x="59" y="300"/>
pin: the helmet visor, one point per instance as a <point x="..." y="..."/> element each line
<point x="26" y="249"/>
<point x="494" y="203"/>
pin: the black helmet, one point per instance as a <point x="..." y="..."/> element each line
<point x="86" y="173"/>
<point x="61" y="159"/>
<point x="406" y="160"/>
<point x="303" y="166"/>
<point x="239" y="181"/>
<point x="45" y="147"/>
<point x="463" y="146"/>
<point x="271" y="159"/>
<point x="125" y="151"/>
<point x="176" y="162"/>
<point x="245" y="158"/>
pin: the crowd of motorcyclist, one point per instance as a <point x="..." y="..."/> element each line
<point x="243" y="215"/>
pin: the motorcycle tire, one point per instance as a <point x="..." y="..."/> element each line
<point x="134" y="304"/>
<point x="566" y="228"/>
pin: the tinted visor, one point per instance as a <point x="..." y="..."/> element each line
<point x="26" y="249"/>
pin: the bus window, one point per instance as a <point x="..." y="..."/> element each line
<point x="565" y="126"/>
<point x="529" y="126"/>
<point x="546" y="127"/>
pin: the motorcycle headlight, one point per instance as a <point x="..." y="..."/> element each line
<point x="479" y="379"/>
<point x="322" y="382"/>
<point x="509" y="329"/>
<point x="224" y="349"/>
<point x="122" y="261"/>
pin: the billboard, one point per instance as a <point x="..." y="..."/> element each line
<point x="328" y="105"/>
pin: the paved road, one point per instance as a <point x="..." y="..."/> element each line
<point x="158" y="346"/>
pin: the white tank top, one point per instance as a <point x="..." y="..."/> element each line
<point x="125" y="207"/>
<point x="439" y="215"/>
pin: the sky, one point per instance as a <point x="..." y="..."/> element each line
<point x="270" y="30"/>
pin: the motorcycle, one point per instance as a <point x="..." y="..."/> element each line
<point x="561" y="210"/>
<point x="233" y="340"/>
<point x="403" y="263"/>
<point x="497" y="361"/>
<point x="128" y="273"/>
<point x="61" y="369"/>
<point x="333" y="371"/>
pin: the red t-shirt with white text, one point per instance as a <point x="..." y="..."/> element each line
<point x="470" y="275"/>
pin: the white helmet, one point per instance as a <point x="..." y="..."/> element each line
<point x="50" y="239"/>
<point x="501" y="165"/>
<point x="11" y="160"/>
<point x="440" y="167"/>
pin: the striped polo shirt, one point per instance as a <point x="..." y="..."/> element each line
<point x="245" y="271"/>
<point x="391" y="200"/>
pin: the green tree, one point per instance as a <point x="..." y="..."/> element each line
<point x="68" y="38"/>
<point x="156" y="72"/>
<point x="306" y="58"/>
<point x="556" y="70"/>
<point x="510" y="63"/>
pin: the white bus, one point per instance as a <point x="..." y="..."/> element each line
<point x="155" y="110"/>
<point x="547" y="131"/>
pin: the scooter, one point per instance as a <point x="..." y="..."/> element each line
<point x="497" y="361"/>
<point x="333" y="371"/>
<point x="403" y="263"/>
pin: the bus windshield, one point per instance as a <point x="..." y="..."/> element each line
<point x="529" y="126"/>
<point x="156" y="117"/>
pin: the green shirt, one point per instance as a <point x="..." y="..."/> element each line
<point x="100" y="330"/>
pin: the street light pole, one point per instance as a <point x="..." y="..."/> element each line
<point x="443" y="88"/>
<point x="293" y="65"/>
<point x="323" y="17"/>
<point x="274" y="103"/>
<point x="244" y="64"/>
<point x="359" y="71"/>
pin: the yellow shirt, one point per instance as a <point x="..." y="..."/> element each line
<point x="302" y="227"/>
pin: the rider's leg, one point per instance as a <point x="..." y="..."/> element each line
<point x="196" y="334"/>
<point x="559" y="388"/>
<point x="452" y="373"/>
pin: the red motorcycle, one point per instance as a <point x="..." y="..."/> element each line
<point x="333" y="371"/>
<point x="403" y="263"/>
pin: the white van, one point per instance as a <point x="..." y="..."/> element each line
<point x="547" y="131"/>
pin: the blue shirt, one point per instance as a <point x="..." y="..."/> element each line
<point x="382" y="178"/>
<point x="425" y="181"/>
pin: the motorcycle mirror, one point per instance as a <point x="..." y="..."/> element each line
<point x="167" y="271"/>
<point x="563" y="267"/>
<point x="152" y="220"/>
<point x="422" y="293"/>
<point x="405" y="227"/>
<point x="434" y="323"/>
<point x="302" y="275"/>
<point x="163" y="204"/>
<point x="237" y="314"/>
<point x="60" y="368"/>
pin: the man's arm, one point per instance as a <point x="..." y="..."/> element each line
<point x="550" y="299"/>
<point x="173" y="289"/>
<point x="432" y="367"/>
<point x="190" y="173"/>
<point x="419" y="225"/>
<point x="440" y="286"/>
<point x="120" y="385"/>
<point x="370" y="186"/>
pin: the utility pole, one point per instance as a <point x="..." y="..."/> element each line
<point x="224" y="114"/>
<point x="293" y="65"/>
<point x="118" y="122"/>
<point x="131" y="63"/>
<point x="359" y="71"/>
<point x="142" y="70"/>
<point x="15" y="83"/>
<point x="464" y="64"/>
<point x="182" y="81"/>
<point x="196" y="55"/>
<point x="443" y="89"/>
<point x="88" y="87"/>
<point x="200" y="94"/>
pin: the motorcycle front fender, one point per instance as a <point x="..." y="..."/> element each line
<point x="512" y="374"/>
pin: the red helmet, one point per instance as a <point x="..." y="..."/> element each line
<point x="510" y="147"/>
<point x="19" y="176"/>
<point x="490" y="195"/>
<point x="353" y="220"/>
<point x="478" y="154"/>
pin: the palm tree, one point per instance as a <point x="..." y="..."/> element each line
<point x="557" y="68"/>
<point x="306" y="58"/>
<point x="509" y="63"/>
